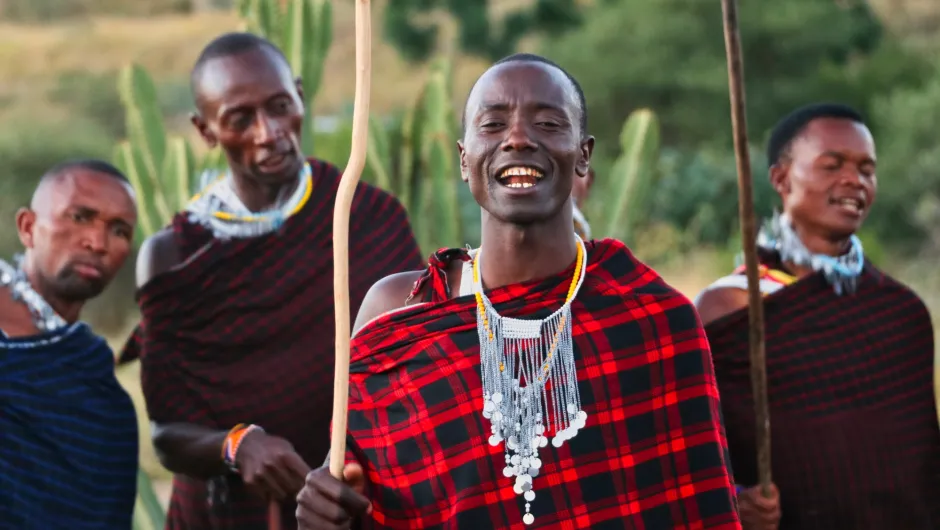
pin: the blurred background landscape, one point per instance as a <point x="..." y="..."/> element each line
<point x="61" y="60"/>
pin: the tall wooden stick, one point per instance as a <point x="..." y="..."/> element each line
<point x="729" y="9"/>
<point x="344" y="198"/>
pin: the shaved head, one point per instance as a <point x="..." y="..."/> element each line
<point x="63" y="169"/>
<point x="230" y="45"/>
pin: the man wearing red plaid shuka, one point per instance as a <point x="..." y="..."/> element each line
<point x="539" y="380"/>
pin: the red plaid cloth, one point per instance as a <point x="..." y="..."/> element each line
<point x="245" y="333"/>
<point x="854" y="436"/>
<point x="652" y="455"/>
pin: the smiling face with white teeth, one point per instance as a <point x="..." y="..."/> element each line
<point x="827" y="180"/>
<point x="523" y="145"/>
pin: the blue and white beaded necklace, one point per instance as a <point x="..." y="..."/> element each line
<point x="841" y="272"/>
<point x="14" y="277"/>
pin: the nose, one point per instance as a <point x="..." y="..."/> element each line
<point x="95" y="239"/>
<point x="518" y="137"/>
<point x="269" y="130"/>
<point x="854" y="177"/>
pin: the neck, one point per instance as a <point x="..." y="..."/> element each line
<point x="818" y="244"/>
<point x="515" y="254"/>
<point x="263" y="196"/>
<point x="69" y="310"/>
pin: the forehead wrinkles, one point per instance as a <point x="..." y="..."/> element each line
<point x="523" y="83"/>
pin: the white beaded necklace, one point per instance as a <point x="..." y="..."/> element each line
<point x="14" y="277"/>
<point x="514" y="352"/>
<point x="219" y="208"/>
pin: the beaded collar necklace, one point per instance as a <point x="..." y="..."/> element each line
<point x="14" y="277"/>
<point x="218" y="207"/>
<point x="841" y="273"/>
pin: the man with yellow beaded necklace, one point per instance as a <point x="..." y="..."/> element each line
<point x="539" y="380"/>
<point x="236" y="339"/>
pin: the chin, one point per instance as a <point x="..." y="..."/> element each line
<point x="81" y="290"/>
<point x="288" y="174"/>
<point x="524" y="217"/>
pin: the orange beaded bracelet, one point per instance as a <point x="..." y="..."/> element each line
<point x="233" y="440"/>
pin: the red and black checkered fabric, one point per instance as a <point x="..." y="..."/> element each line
<point x="244" y="333"/>
<point x="652" y="455"/>
<point x="854" y="437"/>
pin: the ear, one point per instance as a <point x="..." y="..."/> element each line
<point x="299" y="85"/>
<point x="25" y="222"/>
<point x="204" y="131"/>
<point x="780" y="177"/>
<point x="464" y="169"/>
<point x="584" y="161"/>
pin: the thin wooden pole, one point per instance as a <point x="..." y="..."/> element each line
<point x="344" y="198"/>
<point x="729" y="9"/>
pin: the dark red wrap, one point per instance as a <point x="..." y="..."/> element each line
<point x="855" y="443"/>
<point x="244" y="333"/>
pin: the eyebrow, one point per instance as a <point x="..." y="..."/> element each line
<point x="502" y="107"/>
<point x="225" y="110"/>
<point x="96" y="213"/>
<point x="866" y="160"/>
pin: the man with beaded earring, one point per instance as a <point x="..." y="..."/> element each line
<point x="237" y="332"/>
<point x="68" y="430"/>
<point x="539" y="379"/>
<point x="856" y="445"/>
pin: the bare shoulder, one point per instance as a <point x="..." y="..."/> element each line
<point x="388" y="294"/>
<point x="158" y="254"/>
<point x="15" y="318"/>
<point x="717" y="302"/>
<point x="392" y="292"/>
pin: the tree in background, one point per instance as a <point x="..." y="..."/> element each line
<point x="479" y="35"/>
<point x="909" y="168"/>
<point x="669" y="56"/>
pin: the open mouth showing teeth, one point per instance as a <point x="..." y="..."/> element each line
<point x="520" y="177"/>
<point x="851" y="204"/>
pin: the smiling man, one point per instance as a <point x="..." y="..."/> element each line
<point x="236" y="340"/>
<point x="849" y="349"/>
<point x="68" y="430"/>
<point x="538" y="380"/>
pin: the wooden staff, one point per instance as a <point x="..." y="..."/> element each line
<point x="729" y="9"/>
<point x="344" y="198"/>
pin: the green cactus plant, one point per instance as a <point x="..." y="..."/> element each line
<point x="621" y="198"/>
<point x="161" y="167"/>
<point x="415" y="159"/>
